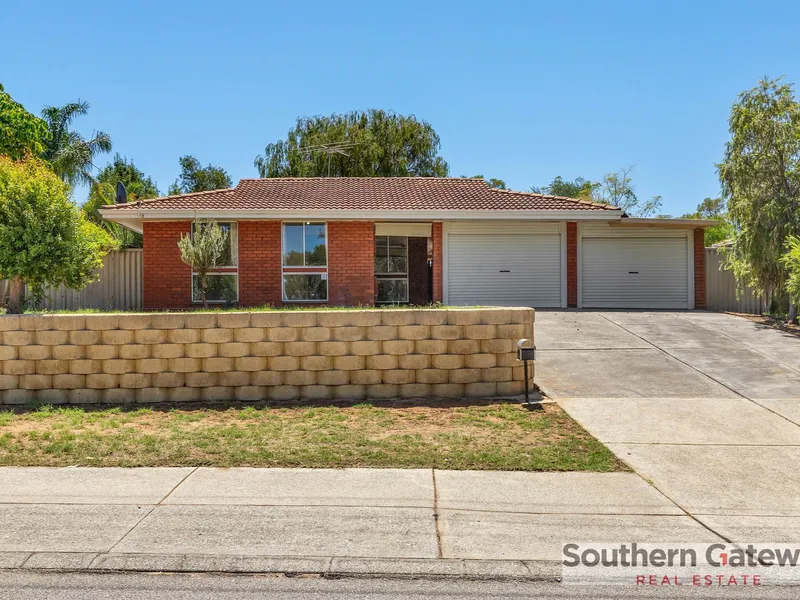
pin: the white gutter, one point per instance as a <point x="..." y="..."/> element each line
<point x="133" y="218"/>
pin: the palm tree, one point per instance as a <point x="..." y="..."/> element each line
<point x="69" y="154"/>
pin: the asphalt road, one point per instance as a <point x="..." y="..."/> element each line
<point x="28" y="585"/>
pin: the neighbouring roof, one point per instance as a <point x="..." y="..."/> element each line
<point x="362" y="193"/>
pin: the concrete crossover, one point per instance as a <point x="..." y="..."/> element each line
<point x="708" y="409"/>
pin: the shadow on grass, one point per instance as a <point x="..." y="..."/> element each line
<point x="445" y="403"/>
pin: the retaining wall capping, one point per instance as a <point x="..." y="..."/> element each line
<point x="261" y="356"/>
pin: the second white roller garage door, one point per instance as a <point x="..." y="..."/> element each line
<point x="634" y="272"/>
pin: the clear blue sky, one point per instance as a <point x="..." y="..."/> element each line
<point x="523" y="91"/>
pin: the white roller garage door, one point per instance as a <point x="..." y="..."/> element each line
<point x="634" y="272"/>
<point x="509" y="264"/>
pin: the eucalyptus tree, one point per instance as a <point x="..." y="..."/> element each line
<point x="760" y="177"/>
<point x="69" y="154"/>
<point x="577" y="188"/>
<point x="372" y="143"/>
<point x="616" y="188"/>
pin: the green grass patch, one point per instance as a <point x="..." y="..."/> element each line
<point x="496" y="436"/>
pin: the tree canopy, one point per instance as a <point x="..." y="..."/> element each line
<point x="616" y="189"/>
<point x="21" y="133"/>
<point x="196" y="178"/>
<point x="69" y="154"/>
<point x="44" y="238"/>
<point x="103" y="193"/>
<point x="492" y="182"/>
<point x="713" y="208"/>
<point x="760" y="177"/>
<point x="372" y="143"/>
<point x="577" y="188"/>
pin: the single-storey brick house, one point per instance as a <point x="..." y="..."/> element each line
<point x="362" y="240"/>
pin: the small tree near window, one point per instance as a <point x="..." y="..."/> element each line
<point x="203" y="251"/>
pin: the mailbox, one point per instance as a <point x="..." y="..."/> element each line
<point x="525" y="350"/>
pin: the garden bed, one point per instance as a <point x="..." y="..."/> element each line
<point x="773" y="322"/>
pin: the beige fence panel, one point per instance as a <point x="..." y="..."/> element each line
<point x="119" y="287"/>
<point x="721" y="289"/>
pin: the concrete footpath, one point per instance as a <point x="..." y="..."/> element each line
<point x="337" y="522"/>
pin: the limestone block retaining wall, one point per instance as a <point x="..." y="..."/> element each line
<point x="257" y="356"/>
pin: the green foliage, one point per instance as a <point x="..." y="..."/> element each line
<point x="373" y="143"/>
<point x="44" y="238"/>
<point x="70" y="155"/>
<point x="21" y="133"/>
<point x="492" y="182"/>
<point x="577" y="188"/>
<point x="103" y="193"/>
<point x="196" y="178"/>
<point x="713" y="208"/>
<point x="615" y="189"/>
<point x="203" y="251"/>
<point x="760" y="177"/>
<point x="791" y="261"/>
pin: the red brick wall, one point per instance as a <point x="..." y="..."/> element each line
<point x="699" y="269"/>
<point x="572" y="265"/>
<point x="259" y="263"/>
<point x="351" y="263"/>
<point x="438" y="292"/>
<point x="167" y="279"/>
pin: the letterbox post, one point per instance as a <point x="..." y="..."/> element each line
<point x="526" y="351"/>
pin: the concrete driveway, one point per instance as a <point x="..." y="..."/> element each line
<point x="704" y="405"/>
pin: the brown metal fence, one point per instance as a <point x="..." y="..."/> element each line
<point x="721" y="289"/>
<point x="119" y="286"/>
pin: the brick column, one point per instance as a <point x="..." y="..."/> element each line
<point x="259" y="263"/>
<point x="351" y="263"/>
<point x="438" y="289"/>
<point x="167" y="279"/>
<point x="572" y="265"/>
<point x="699" y="269"/>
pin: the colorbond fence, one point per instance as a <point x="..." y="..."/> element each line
<point x="119" y="286"/>
<point x="721" y="289"/>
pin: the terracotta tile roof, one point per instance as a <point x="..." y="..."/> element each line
<point x="362" y="193"/>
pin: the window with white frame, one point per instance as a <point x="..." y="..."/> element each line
<point x="305" y="262"/>
<point x="391" y="268"/>
<point x="223" y="280"/>
<point x="222" y="287"/>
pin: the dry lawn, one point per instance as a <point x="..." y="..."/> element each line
<point x="494" y="436"/>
